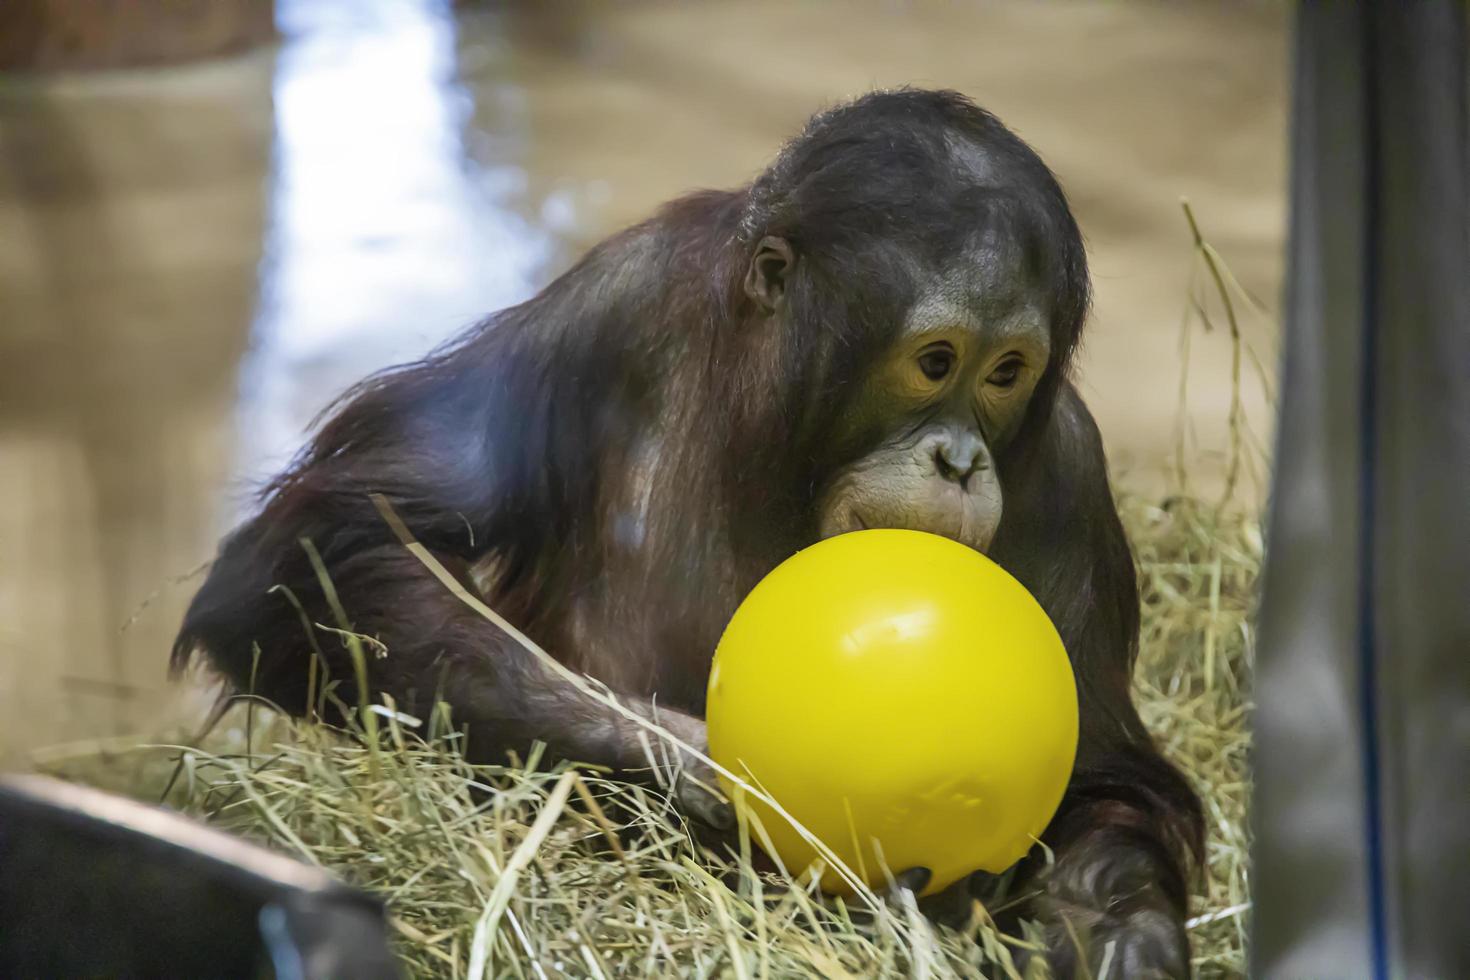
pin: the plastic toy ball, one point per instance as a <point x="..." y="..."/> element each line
<point x="903" y="698"/>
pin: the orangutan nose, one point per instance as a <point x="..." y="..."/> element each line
<point x="958" y="455"/>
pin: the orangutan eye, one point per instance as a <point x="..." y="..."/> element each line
<point x="1005" y="375"/>
<point x="936" y="363"/>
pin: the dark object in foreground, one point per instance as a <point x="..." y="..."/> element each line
<point x="97" y="885"/>
<point x="878" y="332"/>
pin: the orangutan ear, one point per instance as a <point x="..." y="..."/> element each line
<point x="765" y="282"/>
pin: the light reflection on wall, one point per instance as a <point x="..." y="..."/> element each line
<point x="384" y="237"/>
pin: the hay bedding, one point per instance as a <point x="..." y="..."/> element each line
<point x="563" y="873"/>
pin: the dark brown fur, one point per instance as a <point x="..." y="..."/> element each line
<point x="620" y="459"/>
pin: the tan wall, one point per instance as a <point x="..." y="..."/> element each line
<point x="46" y="35"/>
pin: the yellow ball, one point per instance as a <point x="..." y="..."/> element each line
<point x="904" y="698"/>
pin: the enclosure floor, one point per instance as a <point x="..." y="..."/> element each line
<point x="194" y="260"/>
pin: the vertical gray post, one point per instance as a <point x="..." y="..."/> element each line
<point x="1362" y="758"/>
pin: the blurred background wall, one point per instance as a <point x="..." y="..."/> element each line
<point x="212" y="220"/>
